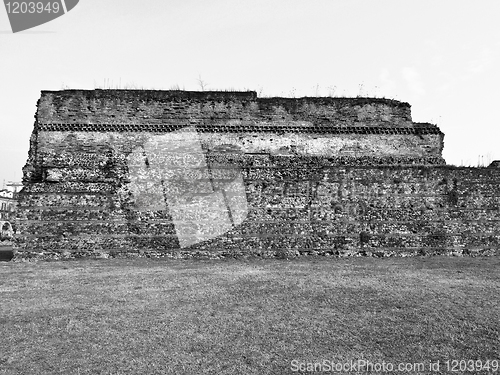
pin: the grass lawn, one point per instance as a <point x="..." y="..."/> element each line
<point x="143" y="316"/>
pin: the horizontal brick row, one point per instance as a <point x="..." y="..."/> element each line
<point x="216" y="128"/>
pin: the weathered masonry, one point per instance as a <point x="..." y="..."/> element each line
<point x="179" y="173"/>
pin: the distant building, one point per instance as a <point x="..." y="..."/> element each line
<point x="13" y="187"/>
<point x="7" y="212"/>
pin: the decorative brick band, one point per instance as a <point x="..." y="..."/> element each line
<point x="418" y="129"/>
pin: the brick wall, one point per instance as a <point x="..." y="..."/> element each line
<point x="225" y="173"/>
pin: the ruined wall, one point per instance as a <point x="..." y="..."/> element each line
<point x="164" y="172"/>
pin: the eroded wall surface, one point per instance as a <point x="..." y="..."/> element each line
<point x="218" y="173"/>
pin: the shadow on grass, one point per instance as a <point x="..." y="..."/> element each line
<point x="6" y="255"/>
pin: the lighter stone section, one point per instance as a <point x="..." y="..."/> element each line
<point x="171" y="171"/>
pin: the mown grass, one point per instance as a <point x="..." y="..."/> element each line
<point x="122" y="316"/>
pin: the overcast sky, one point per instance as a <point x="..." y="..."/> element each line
<point x="442" y="57"/>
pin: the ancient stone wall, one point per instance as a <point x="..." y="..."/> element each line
<point x="227" y="173"/>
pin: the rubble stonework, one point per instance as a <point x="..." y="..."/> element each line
<point x="179" y="173"/>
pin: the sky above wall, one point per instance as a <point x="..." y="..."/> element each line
<point x="442" y="57"/>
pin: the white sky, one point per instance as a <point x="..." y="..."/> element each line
<point x="442" y="57"/>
